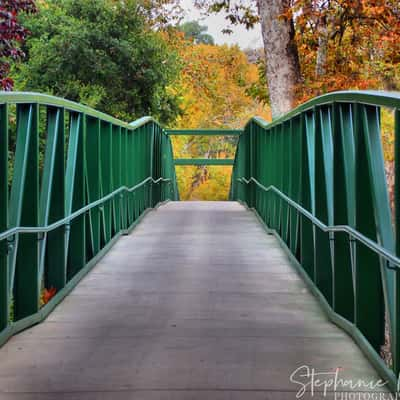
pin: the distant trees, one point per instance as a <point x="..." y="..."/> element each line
<point x="196" y="32"/>
<point x="102" y="53"/>
<point x="347" y="44"/>
<point x="214" y="85"/>
<point x="12" y="36"/>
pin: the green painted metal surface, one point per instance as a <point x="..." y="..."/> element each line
<point x="78" y="180"/>
<point x="316" y="178"/>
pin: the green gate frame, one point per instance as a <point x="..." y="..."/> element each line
<point x="203" y="132"/>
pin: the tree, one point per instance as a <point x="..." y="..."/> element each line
<point x="348" y="44"/>
<point x="315" y="46"/>
<point x="102" y="53"/>
<point x="282" y="60"/>
<point x="196" y="32"/>
<point x="12" y="35"/>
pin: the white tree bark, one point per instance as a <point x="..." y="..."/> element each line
<point x="283" y="70"/>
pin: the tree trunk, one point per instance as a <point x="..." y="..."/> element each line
<point x="282" y="61"/>
<point x="320" y="67"/>
<point x="326" y="27"/>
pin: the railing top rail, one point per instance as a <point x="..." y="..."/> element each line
<point x="369" y="97"/>
<point x="392" y="258"/>
<point x="65" y="221"/>
<point x="48" y="100"/>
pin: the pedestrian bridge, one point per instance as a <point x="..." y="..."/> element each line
<point x="111" y="288"/>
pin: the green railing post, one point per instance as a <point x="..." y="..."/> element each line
<point x="52" y="203"/>
<point x="344" y="210"/>
<point x="396" y="316"/>
<point x="4" y="270"/>
<point x="24" y="204"/>
<point x="117" y="177"/>
<point x="324" y="201"/>
<point x="75" y="188"/>
<point x="307" y="195"/>
<point x="106" y="176"/>
<point x="93" y="174"/>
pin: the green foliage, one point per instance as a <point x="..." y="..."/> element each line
<point x="101" y="53"/>
<point x="259" y="90"/>
<point x="196" y="32"/>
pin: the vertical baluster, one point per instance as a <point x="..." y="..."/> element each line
<point x="133" y="161"/>
<point x="251" y="188"/>
<point x="93" y="174"/>
<point x="24" y="203"/>
<point x="172" y="173"/>
<point x="158" y="134"/>
<point x="324" y="202"/>
<point x="296" y="168"/>
<point x="264" y="171"/>
<point x="279" y="176"/>
<point x="124" y="177"/>
<point x="75" y="194"/>
<point x="4" y="276"/>
<point x="153" y="162"/>
<point x="285" y="177"/>
<point x="269" y="177"/>
<point x="117" y="181"/>
<point x="344" y="211"/>
<point x="308" y="193"/>
<point x="256" y="167"/>
<point x="372" y="214"/>
<point x="274" y="166"/>
<point x="396" y="317"/>
<point x="106" y="176"/>
<point x="52" y="206"/>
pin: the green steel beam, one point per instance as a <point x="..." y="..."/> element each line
<point x="396" y="322"/>
<point x="52" y="203"/>
<point x="75" y="195"/>
<point x="4" y="270"/>
<point x="204" y="132"/>
<point x="344" y="209"/>
<point x="203" y="161"/>
<point x="25" y="198"/>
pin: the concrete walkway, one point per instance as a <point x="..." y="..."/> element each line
<point x="197" y="303"/>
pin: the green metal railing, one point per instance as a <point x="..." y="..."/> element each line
<point x="316" y="178"/>
<point x="72" y="180"/>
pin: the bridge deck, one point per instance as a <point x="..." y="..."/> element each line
<point x="197" y="303"/>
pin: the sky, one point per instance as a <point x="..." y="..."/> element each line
<point x="216" y="22"/>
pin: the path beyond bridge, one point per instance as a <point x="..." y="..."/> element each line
<point x="198" y="302"/>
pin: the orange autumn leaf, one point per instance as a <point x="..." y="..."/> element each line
<point x="48" y="294"/>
